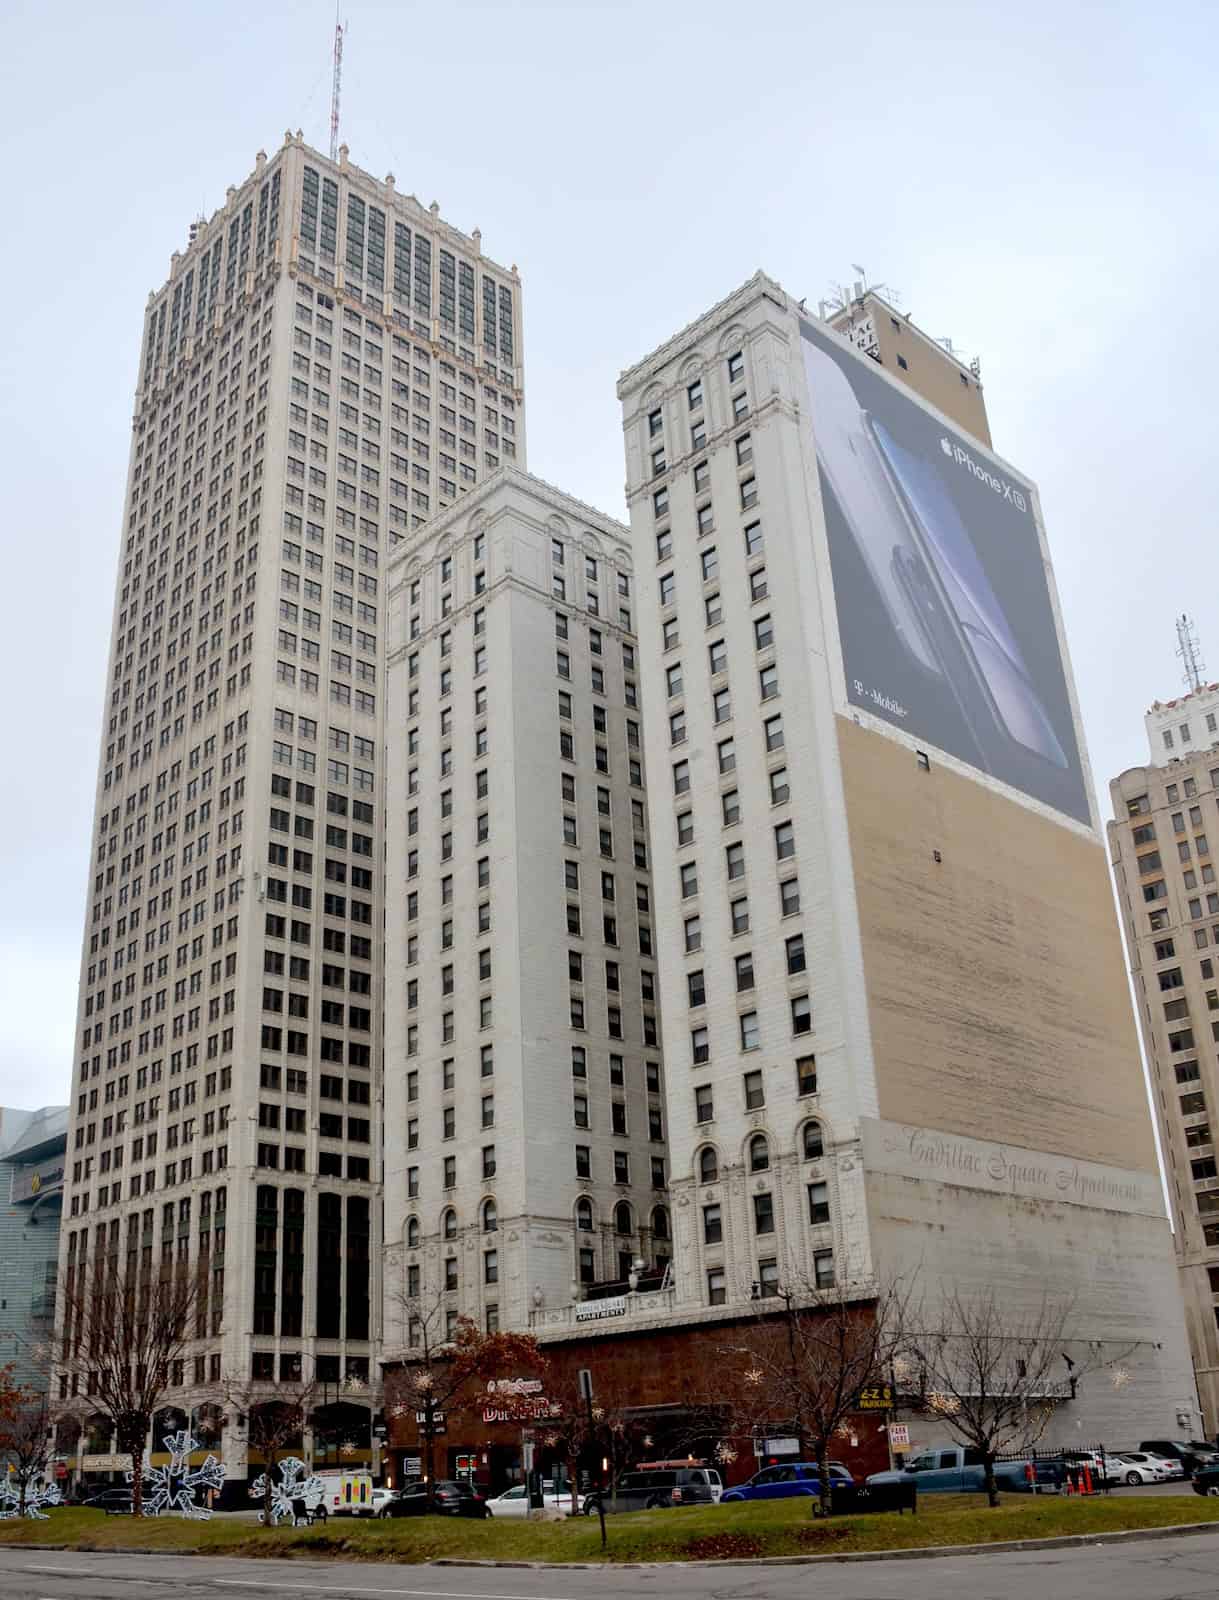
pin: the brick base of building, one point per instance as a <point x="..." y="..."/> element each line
<point x="662" y="1381"/>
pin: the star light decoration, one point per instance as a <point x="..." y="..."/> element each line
<point x="725" y="1452"/>
<point x="1120" y="1377"/>
<point x="754" y="1376"/>
<point x="172" y="1487"/>
<point x="296" y="1482"/>
<point x="944" y="1405"/>
<point x="37" y="1495"/>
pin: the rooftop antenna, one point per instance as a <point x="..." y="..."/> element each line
<point x="336" y="87"/>
<point x="1190" y="653"/>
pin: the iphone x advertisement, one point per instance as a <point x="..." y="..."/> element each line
<point x="943" y="607"/>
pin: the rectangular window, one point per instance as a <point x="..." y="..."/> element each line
<point x="818" y="1203"/>
<point x="755" y="1093"/>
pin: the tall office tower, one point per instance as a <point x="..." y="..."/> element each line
<point x="524" y="1135"/>
<point x="1159" y="845"/>
<point x="895" y="1029"/>
<point x="327" y="365"/>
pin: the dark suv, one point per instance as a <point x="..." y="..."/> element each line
<point x="661" y="1486"/>
<point x="1191" y="1453"/>
<point x="449" y="1499"/>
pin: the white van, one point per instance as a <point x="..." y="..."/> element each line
<point x="348" y="1494"/>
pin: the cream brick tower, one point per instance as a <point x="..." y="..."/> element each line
<point x="328" y="365"/>
<point x="1165" y="816"/>
<point x="895" y="1026"/>
<point x="524" y="1140"/>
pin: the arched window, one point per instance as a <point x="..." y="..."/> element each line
<point x="412" y="1232"/>
<point x="490" y="1217"/>
<point x="759" y="1153"/>
<point x="448" y="1224"/>
<point x="660" y="1223"/>
<point x="814" y="1143"/>
<point x="708" y="1165"/>
<point x="584" y="1216"/>
<point x="623" y="1220"/>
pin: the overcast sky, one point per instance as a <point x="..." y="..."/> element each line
<point x="1036" y="181"/>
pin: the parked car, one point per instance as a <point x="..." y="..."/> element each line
<point x="514" y="1502"/>
<point x="116" y="1500"/>
<point x="1139" y="1466"/>
<point x="953" y="1469"/>
<point x="660" y="1486"/>
<point x="1191" y="1453"/>
<point x="381" y="1498"/>
<point x="1170" y="1466"/>
<point x="449" y="1499"/>
<point x="784" y="1482"/>
<point x="1206" y="1480"/>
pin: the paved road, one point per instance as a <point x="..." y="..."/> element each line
<point x="1161" y="1569"/>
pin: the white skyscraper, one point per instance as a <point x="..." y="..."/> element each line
<point x="327" y="366"/>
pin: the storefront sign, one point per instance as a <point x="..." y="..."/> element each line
<point x="113" y="1462"/>
<point x="535" y="1407"/>
<point x="875" y="1397"/>
<point x="899" y="1435"/>
<point x="514" y="1386"/>
<point x="776" y="1447"/>
<point x="595" y="1310"/>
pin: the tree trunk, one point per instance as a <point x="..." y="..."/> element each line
<point x="823" y="1476"/>
<point x="429" y="1456"/>
<point x="131" y="1438"/>
<point x="992" y="1488"/>
<point x="268" y="1467"/>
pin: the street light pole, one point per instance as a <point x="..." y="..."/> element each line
<point x="586" y="1389"/>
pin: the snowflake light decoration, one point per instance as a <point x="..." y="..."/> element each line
<point x="725" y="1452"/>
<point x="1120" y="1377"/>
<point x="173" y="1487"/>
<point x="296" y="1482"/>
<point x="754" y="1375"/>
<point x="37" y="1495"/>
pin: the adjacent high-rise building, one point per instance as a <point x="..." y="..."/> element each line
<point x="895" y="1032"/>
<point x="31" y="1203"/>
<point x="1159" y="841"/>
<point x="524" y="1119"/>
<point x="328" y="365"/>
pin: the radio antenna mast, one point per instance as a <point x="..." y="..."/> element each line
<point x="1190" y="653"/>
<point x="336" y="87"/>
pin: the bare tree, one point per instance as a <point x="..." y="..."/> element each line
<point x="612" y="1434"/>
<point x="993" y="1374"/>
<point x="804" y="1364"/>
<point x="445" y="1373"/>
<point x="122" y="1334"/>
<point x="25" y="1440"/>
<point x="276" y="1414"/>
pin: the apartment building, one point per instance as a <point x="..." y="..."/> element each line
<point x="524" y="1123"/>
<point x="1159" y="842"/>
<point x="328" y="365"/>
<point x="895" y="1036"/>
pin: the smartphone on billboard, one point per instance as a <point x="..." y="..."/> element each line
<point x="850" y="463"/>
<point x="964" y="615"/>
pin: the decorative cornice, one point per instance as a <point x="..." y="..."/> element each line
<point x="760" y="284"/>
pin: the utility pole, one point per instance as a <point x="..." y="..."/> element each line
<point x="586" y="1390"/>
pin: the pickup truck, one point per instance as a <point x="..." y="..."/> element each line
<point x="953" y="1469"/>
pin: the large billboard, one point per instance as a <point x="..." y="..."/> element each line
<point x="944" y="611"/>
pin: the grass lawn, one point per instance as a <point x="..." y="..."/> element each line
<point x="778" y="1528"/>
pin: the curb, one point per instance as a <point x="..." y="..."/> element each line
<point x="934" y="1552"/>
